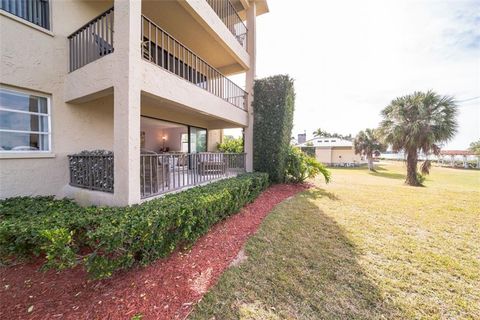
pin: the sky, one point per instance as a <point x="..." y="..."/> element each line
<point x="349" y="59"/>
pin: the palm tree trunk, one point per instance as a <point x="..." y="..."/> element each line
<point x="412" y="159"/>
<point x="370" y="163"/>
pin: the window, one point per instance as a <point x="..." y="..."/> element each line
<point x="184" y="142"/>
<point x="24" y="121"/>
<point x="198" y="140"/>
<point x="34" y="11"/>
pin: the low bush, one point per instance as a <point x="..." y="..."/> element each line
<point x="309" y="151"/>
<point x="232" y="145"/>
<point x="105" y="240"/>
<point x="301" y="167"/>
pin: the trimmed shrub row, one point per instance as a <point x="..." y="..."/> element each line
<point x="273" y="105"/>
<point x="106" y="239"/>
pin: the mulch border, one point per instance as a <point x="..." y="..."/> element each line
<point x="167" y="289"/>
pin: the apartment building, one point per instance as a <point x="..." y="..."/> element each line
<point x="146" y="80"/>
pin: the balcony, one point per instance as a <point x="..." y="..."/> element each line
<point x="166" y="52"/>
<point x="229" y="16"/>
<point x="159" y="173"/>
<point x="94" y="40"/>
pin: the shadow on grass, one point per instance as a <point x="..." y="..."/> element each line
<point x="301" y="265"/>
<point x="317" y="193"/>
<point x="383" y="173"/>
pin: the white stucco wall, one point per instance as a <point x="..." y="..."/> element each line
<point x="34" y="60"/>
<point x="204" y="14"/>
<point x="344" y="155"/>
<point x="323" y="155"/>
<point x="159" y="82"/>
<point x="214" y="138"/>
<point x="74" y="128"/>
<point x="82" y="102"/>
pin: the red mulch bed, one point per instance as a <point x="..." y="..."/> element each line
<point x="166" y="289"/>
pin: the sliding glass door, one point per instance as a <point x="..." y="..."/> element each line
<point x="198" y="140"/>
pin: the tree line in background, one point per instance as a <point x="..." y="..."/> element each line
<point x="414" y="123"/>
<point x="475" y="147"/>
<point x="325" y="134"/>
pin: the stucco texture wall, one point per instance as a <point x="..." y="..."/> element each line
<point x="324" y="155"/>
<point x="33" y="60"/>
<point x="344" y="155"/>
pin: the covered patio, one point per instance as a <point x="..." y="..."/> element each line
<point x="173" y="156"/>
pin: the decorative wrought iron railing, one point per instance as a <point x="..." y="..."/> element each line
<point x="161" y="173"/>
<point x="227" y="13"/>
<point x="94" y="172"/>
<point x="34" y="11"/>
<point x="165" y="51"/>
<point x="92" y="41"/>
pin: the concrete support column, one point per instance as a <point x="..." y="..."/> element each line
<point x="250" y="77"/>
<point x="126" y="143"/>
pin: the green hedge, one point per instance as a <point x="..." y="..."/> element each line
<point x="273" y="104"/>
<point x="106" y="239"/>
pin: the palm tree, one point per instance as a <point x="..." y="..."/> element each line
<point x="320" y="133"/>
<point x="475" y="147"/>
<point x="367" y="143"/>
<point x="325" y="134"/>
<point x="418" y="122"/>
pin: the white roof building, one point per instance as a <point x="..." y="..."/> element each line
<point x="334" y="151"/>
<point x="326" y="142"/>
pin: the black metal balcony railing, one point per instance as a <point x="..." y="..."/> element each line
<point x="161" y="173"/>
<point x="34" y="11"/>
<point x="227" y="13"/>
<point x="92" y="41"/>
<point x="166" y="52"/>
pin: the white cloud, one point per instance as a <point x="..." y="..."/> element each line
<point x="349" y="59"/>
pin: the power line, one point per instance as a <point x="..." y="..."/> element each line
<point x="469" y="99"/>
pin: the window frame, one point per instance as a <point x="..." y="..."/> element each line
<point x="31" y="23"/>
<point x="48" y="115"/>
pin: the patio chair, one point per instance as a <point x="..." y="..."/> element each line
<point x="211" y="163"/>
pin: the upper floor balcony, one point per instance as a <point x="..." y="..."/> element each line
<point x="96" y="39"/>
<point x="230" y="17"/>
<point x="160" y="48"/>
<point x="168" y="69"/>
<point x="211" y="28"/>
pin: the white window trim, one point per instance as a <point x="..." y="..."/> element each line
<point x="21" y="111"/>
<point x="30" y="153"/>
<point x="27" y="155"/>
<point x="30" y="24"/>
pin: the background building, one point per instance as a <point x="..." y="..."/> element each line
<point x="332" y="151"/>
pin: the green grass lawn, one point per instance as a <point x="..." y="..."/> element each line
<point x="363" y="247"/>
